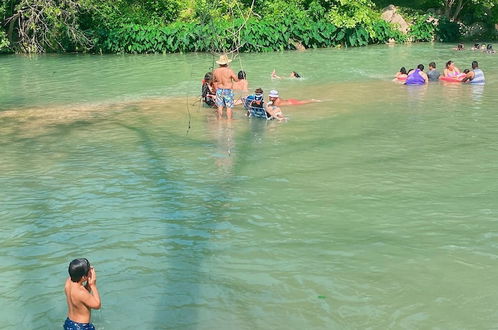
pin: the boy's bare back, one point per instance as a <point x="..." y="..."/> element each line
<point x="81" y="299"/>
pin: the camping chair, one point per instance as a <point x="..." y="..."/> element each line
<point x="255" y="107"/>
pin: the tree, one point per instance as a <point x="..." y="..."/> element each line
<point x="42" y="25"/>
<point x="453" y="8"/>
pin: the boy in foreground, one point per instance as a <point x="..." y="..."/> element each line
<point x="81" y="294"/>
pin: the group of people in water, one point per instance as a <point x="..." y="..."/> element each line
<point x="219" y="85"/>
<point x="478" y="47"/>
<point x="450" y="73"/>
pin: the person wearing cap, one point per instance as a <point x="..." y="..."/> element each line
<point x="275" y="100"/>
<point x="223" y="82"/>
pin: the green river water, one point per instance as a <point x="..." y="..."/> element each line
<point x="374" y="209"/>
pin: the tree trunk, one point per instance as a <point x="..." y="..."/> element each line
<point x="448" y="5"/>
<point x="459" y="7"/>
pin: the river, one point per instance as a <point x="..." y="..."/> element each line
<point x="373" y="209"/>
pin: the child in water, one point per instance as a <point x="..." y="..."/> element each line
<point x="82" y="295"/>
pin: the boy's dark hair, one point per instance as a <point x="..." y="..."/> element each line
<point x="258" y="91"/>
<point x="241" y="75"/>
<point x="296" y="75"/>
<point x="448" y="64"/>
<point x="432" y="65"/>
<point x="208" y="76"/>
<point x="489" y="47"/>
<point x="402" y="70"/>
<point x="78" y="268"/>
<point x="475" y="64"/>
<point x="466" y="71"/>
<point x="420" y="67"/>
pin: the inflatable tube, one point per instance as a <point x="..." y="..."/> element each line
<point x="401" y="78"/>
<point x="456" y="79"/>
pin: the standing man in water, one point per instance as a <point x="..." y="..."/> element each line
<point x="223" y="82"/>
<point x="81" y="294"/>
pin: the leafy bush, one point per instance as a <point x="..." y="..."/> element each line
<point x="264" y="35"/>
<point x="447" y="31"/>
<point x="422" y="29"/>
<point x="4" y="43"/>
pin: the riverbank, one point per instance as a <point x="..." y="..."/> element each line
<point x="171" y="26"/>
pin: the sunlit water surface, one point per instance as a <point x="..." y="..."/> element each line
<point x="374" y="209"/>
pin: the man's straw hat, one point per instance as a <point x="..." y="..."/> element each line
<point x="223" y="60"/>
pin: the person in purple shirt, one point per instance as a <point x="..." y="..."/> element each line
<point x="417" y="77"/>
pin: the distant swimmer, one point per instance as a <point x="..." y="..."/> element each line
<point x="489" y="49"/>
<point x="82" y="295"/>
<point x="292" y="75"/>
<point x="275" y="100"/>
<point x="475" y="76"/>
<point x="459" y="47"/>
<point x="476" y="47"/>
<point x="417" y="77"/>
<point x="433" y="74"/>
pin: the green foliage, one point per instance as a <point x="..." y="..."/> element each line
<point x="422" y="29"/>
<point x="255" y="35"/>
<point x="4" y="43"/>
<point x="448" y="31"/>
<point x="350" y="13"/>
<point x="164" y="26"/>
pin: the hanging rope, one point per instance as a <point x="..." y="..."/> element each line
<point x="218" y="43"/>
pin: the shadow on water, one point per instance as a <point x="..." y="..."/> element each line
<point x="182" y="299"/>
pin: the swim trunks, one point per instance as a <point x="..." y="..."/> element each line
<point x="224" y="97"/>
<point x="71" y="325"/>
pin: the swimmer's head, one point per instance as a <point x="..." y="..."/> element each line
<point x="460" y="46"/>
<point x="273" y="94"/>
<point x="466" y="71"/>
<point x="489" y="47"/>
<point x="258" y="91"/>
<point x="78" y="268"/>
<point x="295" y="74"/>
<point x="476" y="46"/>
<point x="241" y="75"/>
<point x="448" y="64"/>
<point x="475" y="65"/>
<point x="208" y="76"/>
<point x="402" y="70"/>
<point x="409" y="71"/>
<point x="432" y="65"/>
<point x="420" y="67"/>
